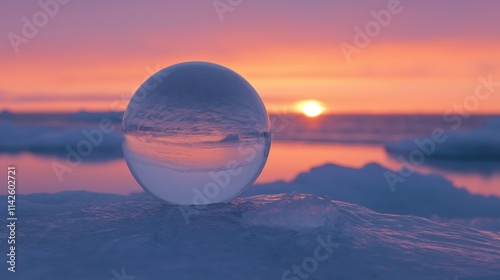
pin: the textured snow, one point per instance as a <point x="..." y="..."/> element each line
<point x="81" y="235"/>
<point x="477" y="144"/>
<point x="46" y="139"/>
<point x="419" y="195"/>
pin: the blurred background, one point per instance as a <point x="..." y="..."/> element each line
<point x="345" y="82"/>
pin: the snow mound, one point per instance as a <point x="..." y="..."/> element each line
<point x="478" y="144"/>
<point x="295" y="211"/>
<point x="58" y="141"/>
<point x="420" y="195"/>
<point x="95" y="117"/>
<point x="98" y="236"/>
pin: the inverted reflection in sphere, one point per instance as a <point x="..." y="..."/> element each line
<point x="196" y="133"/>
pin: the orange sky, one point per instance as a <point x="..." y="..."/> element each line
<point x="94" y="55"/>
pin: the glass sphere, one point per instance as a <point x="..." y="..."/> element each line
<point x="196" y="133"/>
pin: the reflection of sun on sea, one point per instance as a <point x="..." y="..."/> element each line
<point x="310" y="108"/>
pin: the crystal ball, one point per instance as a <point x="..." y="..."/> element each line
<point x="196" y="133"/>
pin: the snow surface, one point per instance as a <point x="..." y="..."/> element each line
<point x="81" y="235"/>
<point x="56" y="141"/>
<point x="477" y="144"/>
<point x="419" y="195"/>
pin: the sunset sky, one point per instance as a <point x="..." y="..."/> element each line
<point x="93" y="55"/>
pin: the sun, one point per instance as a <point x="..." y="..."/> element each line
<point x="311" y="108"/>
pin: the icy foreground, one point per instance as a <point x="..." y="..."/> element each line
<point x="81" y="235"/>
<point x="420" y="195"/>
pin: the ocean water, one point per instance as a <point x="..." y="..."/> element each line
<point x="368" y="129"/>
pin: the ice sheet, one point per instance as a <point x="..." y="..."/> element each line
<point x="81" y="235"/>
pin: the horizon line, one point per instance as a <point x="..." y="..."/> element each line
<point x="352" y="113"/>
